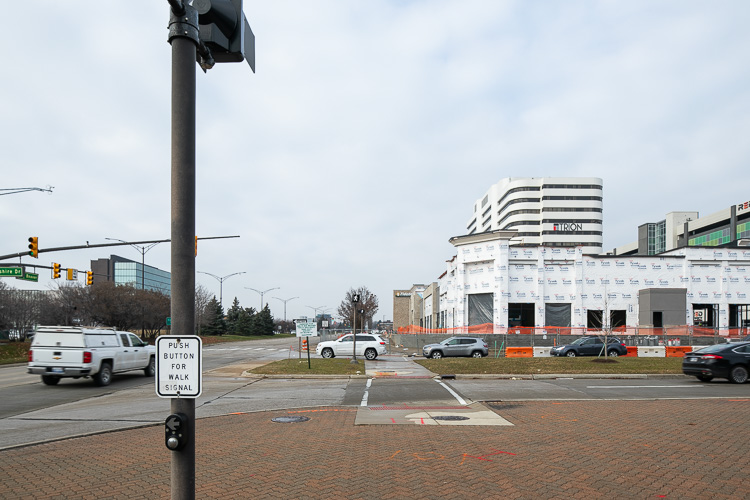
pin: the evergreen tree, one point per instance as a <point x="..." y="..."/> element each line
<point x="263" y="323"/>
<point x="233" y="318"/>
<point x="245" y="321"/>
<point x="215" y="323"/>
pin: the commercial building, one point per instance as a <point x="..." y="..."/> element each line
<point x="124" y="271"/>
<point x="725" y="227"/>
<point x="491" y="281"/>
<point x="544" y="211"/>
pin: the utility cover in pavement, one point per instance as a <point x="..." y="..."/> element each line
<point x="289" y="420"/>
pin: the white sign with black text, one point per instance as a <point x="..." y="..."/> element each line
<point x="179" y="361"/>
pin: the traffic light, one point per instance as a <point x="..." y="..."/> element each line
<point x="55" y="270"/>
<point x="34" y="247"/>
<point x="89" y="278"/>
<point x="225" y="30"/>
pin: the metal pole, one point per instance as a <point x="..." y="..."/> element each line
<point x="183" y="233"/>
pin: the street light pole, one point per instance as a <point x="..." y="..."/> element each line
<point x="143" y="249"/>
<point x="262" y="293"/>
<point x="221" y="283"/>
<point x="285" y="301"/>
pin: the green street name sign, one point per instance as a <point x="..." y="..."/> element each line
<point x="29" y="277"/>
<point x="11" y="272"/>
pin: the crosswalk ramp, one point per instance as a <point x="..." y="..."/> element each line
<point x="473" y="414"/>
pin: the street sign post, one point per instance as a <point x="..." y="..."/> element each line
<point x="11" y="272"/>
<point x="307" y="329"/>
<point x="179" y="366"/>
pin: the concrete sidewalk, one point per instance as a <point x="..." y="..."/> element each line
<point x="580" y="449"/>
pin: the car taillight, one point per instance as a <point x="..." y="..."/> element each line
<point x="31" y="355"/>
<point x="712" y="356"/>
<point x="382" y="343"/>
<point x="86" y="357"/>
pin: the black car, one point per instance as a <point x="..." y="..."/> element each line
<point x="730" y="361"/>
<point x="591" y="346"/>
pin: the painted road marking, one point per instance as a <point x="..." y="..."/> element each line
<point x="367" y="387"/>
<point x="642" y="386"/>
<point x="453" y="393"/>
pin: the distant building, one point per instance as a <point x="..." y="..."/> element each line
<point x="492" y="282"/>
<point x="725" y="227"/>
<point x="124" y="271"/>
<point x="544" y="211"/>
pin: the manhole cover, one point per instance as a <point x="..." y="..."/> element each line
<point x="450" y="417"/>
<point x="289" y="420"/>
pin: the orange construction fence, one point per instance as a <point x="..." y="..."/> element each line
<point x="489" y="329"/>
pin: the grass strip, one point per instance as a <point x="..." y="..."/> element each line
<point x="336" y="366"/>
<point x="553" y="365"/>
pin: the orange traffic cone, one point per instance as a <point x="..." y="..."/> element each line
<point x="304" y="344"/>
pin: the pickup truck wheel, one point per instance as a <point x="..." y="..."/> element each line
<point x="104" y="376"/>
<point x="50" y="380"/>
<point x="150" y="369"/>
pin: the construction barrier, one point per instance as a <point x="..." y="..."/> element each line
<point x="651" y="351"/>
<point x="519" y="352"/>
<point x="678" y="351"/>
<point x="632" y="351"/>
<point x="304" y="344"/>
<point x="541" y="352"/>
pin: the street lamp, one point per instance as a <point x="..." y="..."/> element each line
<point x="221" y="283"/>
<point x="143" y="249"/>
<point x="262" y="293"/>
<point x="285" y="301"/>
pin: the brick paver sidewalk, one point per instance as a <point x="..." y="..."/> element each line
<point x="581" y="449"/>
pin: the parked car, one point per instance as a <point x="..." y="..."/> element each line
<point x="730" y="361"/>
<point x="591" y="346"/>
<point x="456" y="346"/>
<point x="368" y="345"/>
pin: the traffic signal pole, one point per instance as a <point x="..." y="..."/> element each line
<point x="184" y="37"/>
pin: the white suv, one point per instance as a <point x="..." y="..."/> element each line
<point x="369" y="345"/>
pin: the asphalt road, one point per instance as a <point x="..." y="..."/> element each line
<point x="22" y="392"/>
<point x="33" y="412"/>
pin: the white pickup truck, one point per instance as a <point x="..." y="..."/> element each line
<point x="65" y="351"/>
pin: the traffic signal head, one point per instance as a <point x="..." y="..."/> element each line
<point x="55" y="270"/>
<point x="89" y="278"/>
<point x="34" y="247"/>
<point x="225" y="30"/>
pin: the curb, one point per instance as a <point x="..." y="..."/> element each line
<point x="553" y="376"/>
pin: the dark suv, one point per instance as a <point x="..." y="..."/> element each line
<point x="456" y="346"/>
<point x="591" y="346"/>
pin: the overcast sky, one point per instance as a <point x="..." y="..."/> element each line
<point x="368" y="132"/>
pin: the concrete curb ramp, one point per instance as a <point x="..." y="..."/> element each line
<point x="473" y="414"/>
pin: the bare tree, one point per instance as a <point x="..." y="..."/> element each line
<point x="202" y="298"/>
<point x="367" y="301"/>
